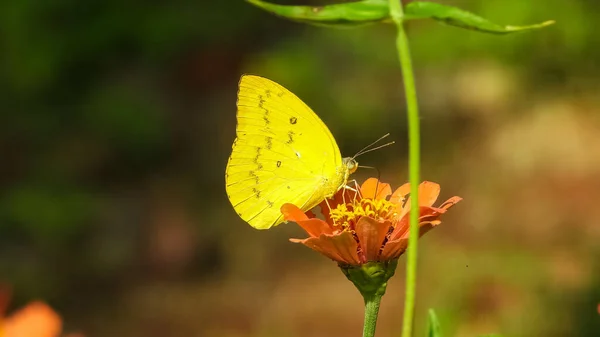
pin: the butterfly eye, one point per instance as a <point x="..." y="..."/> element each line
<point x="351" y="165"/>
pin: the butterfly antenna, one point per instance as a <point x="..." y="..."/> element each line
<point x="373" y="149"/>
<point x="378" y="180"/>
<point x="366" y="148"/>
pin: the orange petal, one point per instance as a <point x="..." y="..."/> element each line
<point x="375" y="189"/>
<point x="371" y="233"/>
<point x="426" y="212"/>
<point x="292" y="213"/>
<point x="340" y="247"/>
<point x="400" y="193"/>
<point x="431" y="213"/>
<point x="393" y="249"/>
<point x="401" y="229"/>
<point x="425" y="227"/>
<point x="450" y="202"/>
<point x="428" y="193"/>
<point x="426" y="215"/>
<point x="35" y="320"/>
<point x="314" y="227"/>
<point x="399" y="240"/>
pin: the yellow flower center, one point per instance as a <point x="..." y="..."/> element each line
<point x="346" y="215"/>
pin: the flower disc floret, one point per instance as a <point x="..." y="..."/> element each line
<point x="346" y="215"/>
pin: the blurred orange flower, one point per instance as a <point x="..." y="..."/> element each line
<point x="36" y="319"/>
<point x="370" y="224"/>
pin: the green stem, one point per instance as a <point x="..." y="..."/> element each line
<point x="397" y="15"/>
<point x="371" y="280"/>
<point x="371" y="311"/>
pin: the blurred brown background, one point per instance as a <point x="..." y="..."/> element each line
<point x="118" y="119"/>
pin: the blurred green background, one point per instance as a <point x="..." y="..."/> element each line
<point x="118" y="118"/>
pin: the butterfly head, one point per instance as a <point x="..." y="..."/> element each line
<point x="351" y="164"/>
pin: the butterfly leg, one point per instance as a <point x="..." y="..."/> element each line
<point x="356" y="190"/>
<point x="327" y="202"/>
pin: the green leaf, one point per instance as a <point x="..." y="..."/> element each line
<point x="434" y="325"/>
<point x="457" y="17"/>
<point x="339" y="15"/>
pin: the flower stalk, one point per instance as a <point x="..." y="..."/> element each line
<point x="371" y="313"/>
<point x="397" y="14"/>
<point x="371" y="281"/>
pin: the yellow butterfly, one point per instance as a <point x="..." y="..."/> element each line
<point x="283" y="153"/>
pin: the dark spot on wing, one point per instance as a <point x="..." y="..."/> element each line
<point x="290" y="137"/>
<point x="253" y="174"/>
<point x="270" y="203"/>
<point x="288" y="187"/>
<point x="268" y="93"/>
<point x="256" y="192"/>
<point x="293" y="120"/>
<point x="261" y="103"/>
<point x="279" y="163"/>
<point x="269" y="141"/>
<point x="255" y="159"/>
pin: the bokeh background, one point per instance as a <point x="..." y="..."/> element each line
<point x="117" y="121"/>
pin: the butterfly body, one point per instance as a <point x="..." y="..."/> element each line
<point x="283" y="153"/>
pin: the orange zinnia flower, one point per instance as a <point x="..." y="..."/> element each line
<point x="36" y="319"/>
<point x="371" y="225"/>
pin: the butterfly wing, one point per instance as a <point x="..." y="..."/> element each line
<point x="283" y="153"/>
